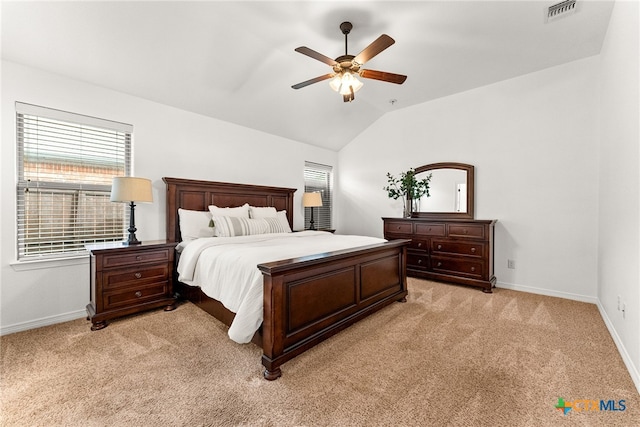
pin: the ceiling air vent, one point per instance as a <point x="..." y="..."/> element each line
<point x="560" y="10"/>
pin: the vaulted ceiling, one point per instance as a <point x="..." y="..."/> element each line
<point x="235" y="60"/>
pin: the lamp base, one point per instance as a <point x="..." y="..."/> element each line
<point x="133" y="240"/>
<point x="312" y="225"/>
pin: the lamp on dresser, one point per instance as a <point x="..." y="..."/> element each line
<point x="311" y="200"/>
<point x="130" y="189"/>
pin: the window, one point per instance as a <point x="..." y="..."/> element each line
<point x="66" y="162"/>
<point x="318" y="178"/>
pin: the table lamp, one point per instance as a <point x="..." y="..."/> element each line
<point x="130" y="189"/>
<point x="311" y="200"/>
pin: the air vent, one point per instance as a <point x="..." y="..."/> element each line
<point x="560" y="10"/>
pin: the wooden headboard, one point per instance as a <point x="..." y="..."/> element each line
<point x="198" y="195"/>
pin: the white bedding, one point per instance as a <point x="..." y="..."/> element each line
<point x="225" y="268"/>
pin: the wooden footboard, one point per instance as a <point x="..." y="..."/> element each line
<point x="308" y="299"/>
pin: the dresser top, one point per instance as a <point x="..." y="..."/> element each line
<point x="478" y="221"/>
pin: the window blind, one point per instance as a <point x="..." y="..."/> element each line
<point x="66" y="163"/>
<point x="319" y="178"/>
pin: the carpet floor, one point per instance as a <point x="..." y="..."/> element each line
<point x="450" y="356"/>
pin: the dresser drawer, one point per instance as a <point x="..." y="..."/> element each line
<point x="430" y="229"/>
<point x="398" y="227"/>
<point x="135" y="276"/>
<point x="122" y="259"/>
<point x="473" y="231"/>
<point x="418" y="245"/>
<point x="417" y="261"/>
<point x="134" y="295"/>
<point x="472" y="268"/>
<point x="458" y="248"/>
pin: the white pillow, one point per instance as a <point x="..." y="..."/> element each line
<point x="266" y="212"/>
<point x="284" y="221"/>
<point x="230" y="226"/>
<point x="240" y="211"/>
<point x="194" y="224"/>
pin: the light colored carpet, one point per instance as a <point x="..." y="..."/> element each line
<point x="449" y="356"/>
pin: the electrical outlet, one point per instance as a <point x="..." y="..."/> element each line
<point x="624" y="309"/>
<point x="511" y="264"/>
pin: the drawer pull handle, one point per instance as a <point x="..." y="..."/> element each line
<point x="439" y="246"/>
<point x="138" y="258"/>
<point x="138" y="294"/>
<point x="473" y="269"/>
<point x="464" y="231"/>
<point x="439" y="264"/>
<point x="419" y="261"/>
<point x="138" y="275"/>
<point x="398" y="228"/>
<point x="419" y="245"/>
<point x="429" y="229"/>
<point x="473" y="250"/>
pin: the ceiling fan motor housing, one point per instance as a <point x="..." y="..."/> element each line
<point x="346" y="27"/>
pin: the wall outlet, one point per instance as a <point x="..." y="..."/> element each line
<point x="624" y="309"/>
<point x="511" y="264"/>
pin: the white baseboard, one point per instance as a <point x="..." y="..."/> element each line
<point x="548" y="292"/>
<point x="44" y="321"/>
<point x="633" y="370"/>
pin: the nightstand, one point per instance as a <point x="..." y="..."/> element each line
<point x="129" y="279"/>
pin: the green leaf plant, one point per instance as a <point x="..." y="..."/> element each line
<point x="408" y="188"/>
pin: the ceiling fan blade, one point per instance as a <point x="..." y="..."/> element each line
<point x="383" y="76"/>
<point x="312" y="81"/>
<point x="378" y="45"/>
<point x="315" y="55"/>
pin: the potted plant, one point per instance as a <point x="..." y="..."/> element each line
<point x="409" y="188"/>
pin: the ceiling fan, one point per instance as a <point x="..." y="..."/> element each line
<point x="347" y="67"/>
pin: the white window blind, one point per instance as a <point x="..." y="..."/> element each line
<point x="318" y="178"/>
<point x="66" y="163"/>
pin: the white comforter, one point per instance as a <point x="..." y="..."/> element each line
<point x="225" y="268"/>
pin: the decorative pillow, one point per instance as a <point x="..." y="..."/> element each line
<point x="230" y="226"/>
<point x="266" y="212"/>
<point x="240" y="211"/>
<point x="275" y="226"/>
<point x="194" y="224"/>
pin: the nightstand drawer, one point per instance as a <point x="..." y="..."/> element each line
<point x="119" y="260"/>
<point x="132" y="296"/>
<point x="135" y="276"/>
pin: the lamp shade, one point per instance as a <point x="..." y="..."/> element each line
<point x="311" y="200"/>
<point x="130" y="189"/>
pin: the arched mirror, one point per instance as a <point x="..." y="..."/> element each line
<point x="451" y="190"/>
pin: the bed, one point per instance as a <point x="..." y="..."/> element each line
<point x="305" y="299"/>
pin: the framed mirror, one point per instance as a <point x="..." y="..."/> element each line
<point x="451" y="191"/>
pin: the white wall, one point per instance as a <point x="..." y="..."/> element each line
<point x="619" y="198"/>
<point x="167" y="142"/>
<point x="533" y="142"/>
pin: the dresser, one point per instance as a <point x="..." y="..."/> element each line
<point x="449" y="250"/>
<point x="129" y="279"/>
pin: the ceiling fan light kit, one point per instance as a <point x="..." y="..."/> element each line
<point x="346" y="68"/>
